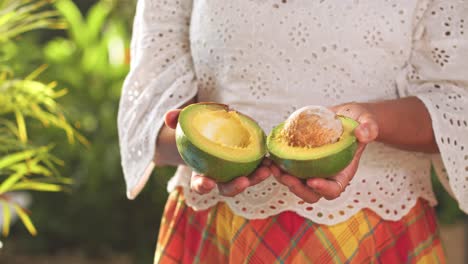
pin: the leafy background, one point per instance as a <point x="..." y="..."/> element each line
<point x="91" y="58"/>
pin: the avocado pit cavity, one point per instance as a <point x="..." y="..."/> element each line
<point x="311" y="127"/>
<point x="222" y="127"/>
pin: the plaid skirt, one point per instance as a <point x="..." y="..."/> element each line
<point x="218" y="236"/>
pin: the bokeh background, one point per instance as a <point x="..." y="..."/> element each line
<point x="92" y="221"/>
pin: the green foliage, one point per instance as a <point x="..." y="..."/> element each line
<point x="20" y="16"/>
<point x="29" y="98"/>
<point x="447" y="210"/>
<point x="25" y="165"/>
<point x="91" y="59"/>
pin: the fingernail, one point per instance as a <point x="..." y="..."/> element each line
<point x="312" y="184"/>
<point x="365" y="132"/>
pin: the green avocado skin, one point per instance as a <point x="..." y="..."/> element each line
<point x="319" y="168"/>
<point x="214" y="167"/>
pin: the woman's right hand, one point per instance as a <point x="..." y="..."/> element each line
<point x="203" y="184"/>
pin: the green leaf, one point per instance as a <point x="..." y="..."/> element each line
<point x="73" y="16"/>
<point x="6" y="17"/>
<point x="33" y="75"/>
<point x="10" y="181"/>
<point x="20" y="156"/>
<point x="51" y="166"/>
<point x="95" y="21"/>
<point x="36" y="186"/>
<point x="17" y="17"/>
<point x="25" y="219"/>
<point x="6" y="218"/>
<point x="22" y="132"/>
<point x="32" y="167"/>
<point x="59" y="50"/>
<point x="9" y="125"/>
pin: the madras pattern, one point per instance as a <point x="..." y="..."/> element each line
<point x="218" y="236"/>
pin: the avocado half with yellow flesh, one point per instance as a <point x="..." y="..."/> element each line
<point x="323" y="161"/>
<point x="218" y="142"/>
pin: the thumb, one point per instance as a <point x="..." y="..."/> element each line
<point x="366" y="132"/>
<point x="171" y="118"/>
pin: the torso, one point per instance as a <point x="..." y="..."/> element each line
<point x="269" y="58"/>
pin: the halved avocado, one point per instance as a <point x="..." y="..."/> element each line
<point x="218" y="142"/>
<point x="323" y="161"/>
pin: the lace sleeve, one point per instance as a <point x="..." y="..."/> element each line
<point x="438" y="76"/>
<point x="161" y="78"/>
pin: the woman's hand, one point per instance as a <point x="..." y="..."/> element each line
<point x="314" y="189"/>
<point x="202" y="184"/>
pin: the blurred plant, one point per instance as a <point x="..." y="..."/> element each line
<point x="19" y="16"/>
<point x="91" y="59"/>
<point x="97" y="42"/>
<point x="25" y="165"/>
<point x="447" y="209"/>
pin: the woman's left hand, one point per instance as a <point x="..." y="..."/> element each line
<point x="314" y="189"/>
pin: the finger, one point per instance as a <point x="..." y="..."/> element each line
<point x="233" y="187"/>
<point x="345" y="176"/>
<point x="201" y="184"/>
<point x="171" y="118"/>
<point x="259" y="175"/>
<point x="368" y="129"/>
<point x="349" y="110"/>
<point x="330" y="188"/>
<point x="337" y="108"/>
<point x="275" y="170"/>
<point x="299" y="189"/>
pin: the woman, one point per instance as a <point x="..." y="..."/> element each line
<point x="401" y="63"/>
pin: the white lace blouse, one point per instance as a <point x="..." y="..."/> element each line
<point x="267" y="58"/>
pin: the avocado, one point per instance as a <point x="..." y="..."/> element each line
<point x="307" y="162"/>
<point x="218" y="142"/>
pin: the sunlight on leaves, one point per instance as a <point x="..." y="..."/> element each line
<point x="25" y="219"/>
<point x="6" y="218"/>
<point x="25" y="166"/>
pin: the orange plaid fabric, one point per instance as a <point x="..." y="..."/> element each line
<point x="218" y="236"/>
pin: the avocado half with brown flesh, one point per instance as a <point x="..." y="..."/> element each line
<point x="218" y="142"/>
<point x="319" y="161"/>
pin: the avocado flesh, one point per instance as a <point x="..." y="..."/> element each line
<point x="219" y="143"/>
<point x="223" y="128"/>
<point x="323" y="161"/>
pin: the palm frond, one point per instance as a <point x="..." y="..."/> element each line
<point x="31" y="98"/>
<point x="23" y="215"/>
<point x="23" y="165"/>
<point x="20" y="16"/>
